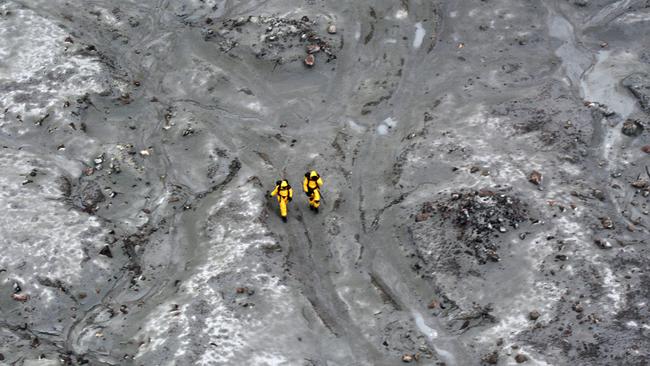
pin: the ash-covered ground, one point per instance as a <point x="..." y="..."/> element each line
<point x="486" y="168"/>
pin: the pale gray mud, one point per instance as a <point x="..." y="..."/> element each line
<point x="485" y="165"/>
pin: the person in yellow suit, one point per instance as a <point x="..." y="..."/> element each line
<point x="285" y="194"/>
<point x="311" y="185"/>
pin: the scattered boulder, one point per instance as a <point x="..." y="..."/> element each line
<point x="479" y="217"/>
<point x="639" y="85"/>
<point x="491" y="358"/>
<point x="88" y="196"/>
<point x="577" y="307"/>
<point x="521" y="358"/>
<point x="331" y="29"/>
<point x="310" y="60"/>
<point x="534" y="315"/>
<point x="407" y="358"/>
<point x="607" y="223"/>
<point x="640" y="183"/>
<point x="646" y="149"/>
<point x="535" y="177"/>
<point x="632" y="128"/>
<point x="422" y="216"/>
<point x="106" y="251"/>
<point x="603" y="243"/>
<point x="20" y="297"/>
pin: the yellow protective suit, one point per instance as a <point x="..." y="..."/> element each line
<point x="311" y="185"/>
<point x="285" y="194"/>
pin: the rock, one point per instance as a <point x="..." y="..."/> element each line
<point x="407" y="358"/>
<point x="310" y="60"/>
<point x="640" y="183"/>
<point x="521" y="358"/>
<point x="561" y="257"/>
<point x="639" y="85"/>
<point x="581" y="3"/>
<point x="491" y="358"/>
<point x="433" y="304"/>
<point x="89" y="196"/>
<point x="331" y="29"/>
<point x="602" y="243"/>
<point x="20" y="297"/>
<point x="607" y="223"/>
<point x="533" y="315"/>
<point x="646" y="149"/>
<point x="632" y="128"/>
<point x="106" y="251"/>
<point x="535" y="177"/>
<point x="422" y="216"/>
<point x="577" y="307"/>
<point x="598" y="194"/>
<point x="312" y="48"/>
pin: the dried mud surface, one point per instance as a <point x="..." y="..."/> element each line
<point x="485" y="165"/>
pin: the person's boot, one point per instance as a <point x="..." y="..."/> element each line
<point x="315" y="209"/>
<point x="284" y="219"/>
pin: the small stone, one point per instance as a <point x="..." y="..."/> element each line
<point x="474" y="169"/>
<point x="598" y="194"/>
<point x="632" y="128"/>
<point x="331" y="29"/>
<point x="604" y="44"/>
<point x="521" y="358"/>
<point x="631" y="228"/>
<point x="499" y="342"/>
<point x="578" y="308"/>
<point x="20" y="297"/>
<point x="310" y="60"/>
<point x="433" y="304"/>
<point x="502" y="229"/>
<point x="312" y="48"/>
<point x="407" y="358"/>
<point x="533" y="315"/>
<point x="646" y="149"/>
<point x="602" y="243"/>
<point x="145" y="152"/>
<point x="241" y="290"/>
<point x="491" y="358"/>
<point x="422" y="216"/>
<point x="106" y="251"/>
<point x="640" y="183"/>
<point x="82" y="295"/>
<point x="561" y="257"/>
<point x="535" y="177"/>
<point x="607" y="223"/>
